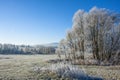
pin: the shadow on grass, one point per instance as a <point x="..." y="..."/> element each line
<point x="92" y="78"/>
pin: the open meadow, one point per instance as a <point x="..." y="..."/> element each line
<point x="20" y="67"/>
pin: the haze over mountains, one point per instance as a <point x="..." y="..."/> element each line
<point x="55" y="44"/>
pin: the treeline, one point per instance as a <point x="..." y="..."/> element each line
<point x="23" y="49"/>
<point x="96" y="32"/>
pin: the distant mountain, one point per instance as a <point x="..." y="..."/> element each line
<point x="50" y="45"/>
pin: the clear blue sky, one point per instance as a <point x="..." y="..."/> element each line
<point x="42" y="21"/>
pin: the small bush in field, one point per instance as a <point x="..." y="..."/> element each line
<point x="63" y="71"/>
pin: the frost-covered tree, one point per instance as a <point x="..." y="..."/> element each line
<point x="101" y="24"/>
<point x="96" y="32"/>
<point x="78" y="29"/>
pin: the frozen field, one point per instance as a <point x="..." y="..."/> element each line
<point x="19" y="67"/>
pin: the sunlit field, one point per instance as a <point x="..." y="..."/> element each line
<point x="20" y="67"/>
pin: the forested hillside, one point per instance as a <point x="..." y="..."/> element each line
<point x="26" y="49"/>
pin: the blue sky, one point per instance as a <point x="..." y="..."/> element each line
<point x="42" y="21"/>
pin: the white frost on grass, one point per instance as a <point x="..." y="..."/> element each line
<point x="64" y="70"/>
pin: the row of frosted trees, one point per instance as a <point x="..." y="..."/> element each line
<point x="96" y="32"/>
<point x="24" y="49"/>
